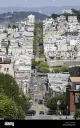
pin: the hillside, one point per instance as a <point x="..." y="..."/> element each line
<point x="10" y="17"/>
<point x="47" y="10"/>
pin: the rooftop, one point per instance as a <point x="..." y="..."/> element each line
<point x="75" y="79"/>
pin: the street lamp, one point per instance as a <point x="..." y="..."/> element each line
<point x="58" y="104"/>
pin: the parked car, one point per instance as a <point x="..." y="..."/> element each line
<point x="41" y="112"/>
<point x="50" y="112"/>
<point x="30" y="113"/>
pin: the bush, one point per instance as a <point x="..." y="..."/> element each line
<point x="56" y="70"/>
<point x="43" y="64"/>
<point x="77" y="113"/>
<point x="44" y="69"/>
<point x="64" y="69"/>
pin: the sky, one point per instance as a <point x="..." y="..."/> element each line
<point x="38" y="3"/>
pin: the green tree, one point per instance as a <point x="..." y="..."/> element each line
<point x="20" y="113"/>
<point x="44" y="70"/>
<point x="77" y="113"/>
<point x="56" y="70"/>
<point x="42" y="56"/>
<point x="9" y="85"/>
<point x="22" y="101"/>
<point x="34" y="62"/>
<point x="62" y="100"/>
<point x="51" y="102"/>
<point x="41" y="50"/>
<point x="14" y="26"/>
<point x="43" y="64"/>
<point x="9" y="26"/>
<point x="8" y="109"/>
<point x="74" y="71"/>
<point x="64" y="69"/>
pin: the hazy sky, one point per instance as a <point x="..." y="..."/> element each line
<point x="38" y="3"/>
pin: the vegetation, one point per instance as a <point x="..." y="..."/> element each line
<point x="35" y="38"/>
<point x="42" y="56"/>
<point x="51" y="102"/>
<point x="56" y="70"/>
<point x="41" y="50"/>
<point x="74" y="13"/>
<point x="74" y="71"/>
<point x="77" y="113"/>
<point x="34" y="63"/>
<point x="61" y="69"/>
<point x="43" y="64"/>
<point x="12" y="102"/>
<point x="44" y="70"/>
<point x="64" y="69"/>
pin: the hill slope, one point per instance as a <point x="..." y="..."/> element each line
<point x="9" y="17"/>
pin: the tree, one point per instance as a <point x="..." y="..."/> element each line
<point x="44" y="69"/>
<point x="77" y="113"/>
<point x="22" y="101"/>
<point x="41" y="50"/>
<point x="64" y="69"/>
<point x="42" y="56"/>
<point x="14" y="26"/>
<point x="43" y="64"/>
<point x="9" y="26"/>
<point x="74" y="71"/>
<point x="34" y="62"/>
<point x="8" y="109"/>
<point x="62" y="100"/>
<point x="51" y="102"/>
<point x="9" y="85"/>
<point x="20" y="113"/>
<point x="56" y="70"/>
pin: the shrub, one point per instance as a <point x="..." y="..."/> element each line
<point x="77" y="113"/>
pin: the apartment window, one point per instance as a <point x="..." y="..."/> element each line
<point x="7" y="69"/>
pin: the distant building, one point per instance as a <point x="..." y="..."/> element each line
<point x="31" y="19"/>
<point x="67" y="11"/>
<point x="6" y="66"/>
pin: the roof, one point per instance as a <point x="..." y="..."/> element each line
<point x="75" y="79"/>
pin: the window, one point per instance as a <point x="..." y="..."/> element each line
<point x="76" y="98"/>
<point x="4" y="69"/>
<point x="7" y="69"/>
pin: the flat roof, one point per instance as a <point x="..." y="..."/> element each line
<point x="75" y="79"/>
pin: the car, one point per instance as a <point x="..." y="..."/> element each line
<point x="30" y="113"/>
<point x="41" y="112"/>
<point x="50" y="112"/>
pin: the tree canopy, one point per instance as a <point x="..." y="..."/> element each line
<point x="10" y="95"/>
<point x="43" y="64"/>
<point x="74" y="71"/>
<point x="44" y="70"/>
<point x="51" y="102"/>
